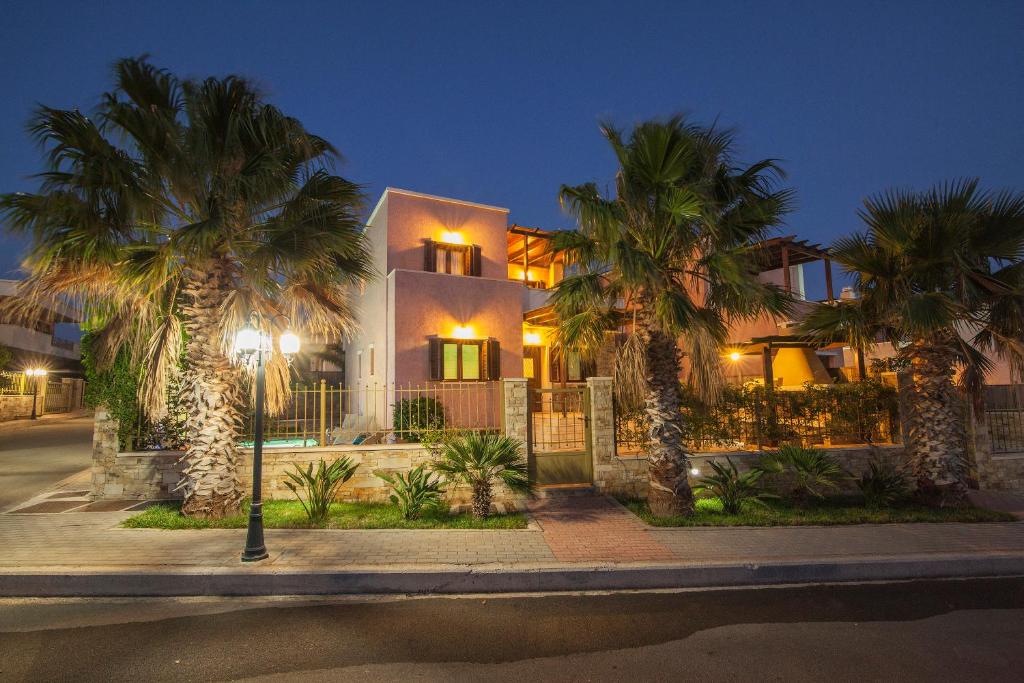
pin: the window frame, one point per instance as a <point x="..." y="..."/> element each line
<point x="485" y="364"/>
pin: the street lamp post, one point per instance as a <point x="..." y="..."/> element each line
<point x="253" y="347"/>
<point x="34" y="375"/>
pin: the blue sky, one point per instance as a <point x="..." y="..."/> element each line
<point x="499" y="102"/>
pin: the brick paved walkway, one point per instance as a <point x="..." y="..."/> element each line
<point x="592" y="529"/>
<point x="580" y="532"/>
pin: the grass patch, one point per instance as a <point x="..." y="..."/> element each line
<point x="829" y="511"/>
<point x="288" y="514"/>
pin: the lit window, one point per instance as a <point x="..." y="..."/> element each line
<point x="470" y="361"/>
<point x="451" y="259"/>
<point x="451" y="361"/>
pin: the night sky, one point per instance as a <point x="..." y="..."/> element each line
<point x="499" y="102"/>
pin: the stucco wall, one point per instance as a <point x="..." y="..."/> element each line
<point x="411" y="219"/>
<point x="427" y="304"/>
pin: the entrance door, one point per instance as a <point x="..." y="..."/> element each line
<point x="560" y="436"/>
<point x="532" y="356"/>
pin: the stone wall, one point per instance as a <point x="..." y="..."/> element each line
<point x="994" y="471"/>
<point x="15" y="406"/>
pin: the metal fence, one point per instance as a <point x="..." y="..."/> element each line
<point x="864" y="412"/>
<point x="1004" y="411"/>
<point x="327" y="414"/>
<point x="13" y="383"/>
<point x="59" y="397"/>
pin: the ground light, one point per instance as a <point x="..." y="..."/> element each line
<point x="253" y="347"/>
<point x="35" y="376"/>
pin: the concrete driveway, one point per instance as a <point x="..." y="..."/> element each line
<point x="35" y="457"/>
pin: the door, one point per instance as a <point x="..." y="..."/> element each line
<point x="559" y="427"/>
<point x="532" y="357"/>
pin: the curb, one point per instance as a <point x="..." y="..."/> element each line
<point x="233" y="582"/>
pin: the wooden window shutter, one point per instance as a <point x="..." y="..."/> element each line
<point x="474" y="261"/>
<point x="436" y="351"/>
<point x="492" y="359"/>
<point x="430" y="256"/>
<point x="555" y="366"/>
<point x="588" y="369"/>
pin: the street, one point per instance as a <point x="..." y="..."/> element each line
<point x="938" y="630"/>
<point x="33" y="458"/>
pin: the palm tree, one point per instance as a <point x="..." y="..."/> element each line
<point x="941" y="276"/>
<point x="674" y="248"/>
<point x="178" y="210"/>
<point x="480" y="460"/>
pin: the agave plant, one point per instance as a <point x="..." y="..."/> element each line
<point x="882" y="485"/>
<point x="316" y="489"/>
<point x="811" y="472"/>
<point x="414" y="492"/>
<point x="480" y="460"/>
<point x="732" y="487"/>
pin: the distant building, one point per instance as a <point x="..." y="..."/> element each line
<point x="36" y="344"/>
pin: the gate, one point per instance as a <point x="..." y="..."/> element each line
<point x="559" y="427"/>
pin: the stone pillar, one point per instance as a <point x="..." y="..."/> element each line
<point x="515" y="416"/>
<point x="104" y="456"/>
<point x="602" y="430"/>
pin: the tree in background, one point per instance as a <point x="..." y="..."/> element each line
<point x="673" y="252"/>
<point x="182" y="207"/>
<point x="941" y="276"/>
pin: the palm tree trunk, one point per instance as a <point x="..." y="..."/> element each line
<point x="481" y="499"/>
<point x="933" y="426"/>
<point x="211" y="395"/>
<point x="669" y="493"/>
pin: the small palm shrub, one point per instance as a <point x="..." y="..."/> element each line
<point x="732" y="487"/>
<point x="316" y="489"/>
<point x="414" y="418"/>
<point x="414" y="492"/>
<point x="480" y="460"/>
<point x="882" y="485"/>
<point x="808" y="471"/>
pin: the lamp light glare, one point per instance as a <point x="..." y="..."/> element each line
<point x="452" y="238"/>
<point x="734" y="356"/>
<point x="289" y="343"/>
<point x="462" y="332"/>
<point x="247" y="340"/>
<point x="694" y="471"/>
<point x="531" y="339"/>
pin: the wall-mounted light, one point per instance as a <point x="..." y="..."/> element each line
<point x="452" y="238"/>
<point x="531" y="339"/>
<point x="734" y="356"/>
<point x="462" y="332"/>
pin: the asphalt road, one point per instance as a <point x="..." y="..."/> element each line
<point x="35" y="457"/>
<point x="938" y="630"/>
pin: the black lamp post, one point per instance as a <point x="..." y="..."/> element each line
<point x="34" y="374"/>
<point x="253" y="346"/>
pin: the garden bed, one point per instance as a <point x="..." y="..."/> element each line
<point x="288" y="514"/>
<point x="826" y="512"/>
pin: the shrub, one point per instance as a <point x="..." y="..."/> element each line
<point x="732" y="487"/>
<point x="480" y="460"/>
<point x="416" y="417"/>
<point x="882" y="485"/>
<point x="319" y="487"/>
<point x="809" y="472"/>
<point x="414" y="492"/>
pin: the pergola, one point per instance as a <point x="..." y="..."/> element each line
<point x="779" y="253"/>
<point x="530" y="247"/>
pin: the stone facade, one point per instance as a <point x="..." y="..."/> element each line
<point x="994" y="471"/>
<point x="14" y="406"/>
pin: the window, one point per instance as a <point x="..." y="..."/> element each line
<point x="359" y="367"/>
<point x="454" y="259"/>
<point x="464" y="360"/>
<point x="373" y="362"/>
<point x="577" y="369"/>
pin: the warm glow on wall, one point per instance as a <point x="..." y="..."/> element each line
<point x="531" y="339"/>
<point x="462" y="332"/>
<point x="452" y="238"/>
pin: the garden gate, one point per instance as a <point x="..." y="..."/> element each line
<point x="559" y="431"/>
